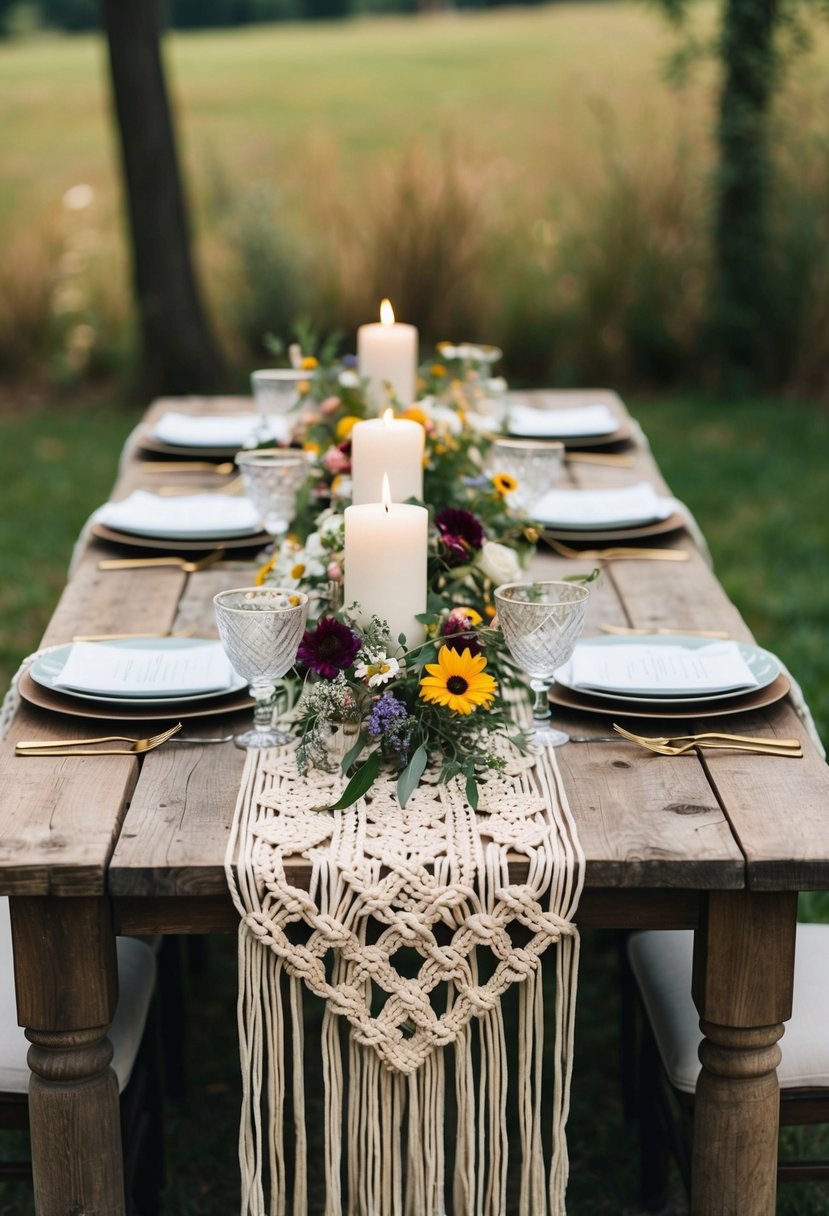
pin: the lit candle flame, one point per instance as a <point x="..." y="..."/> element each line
<point x="386" y="492"/>
<point x="386" y="313"/>
<point x="388" y="416"/>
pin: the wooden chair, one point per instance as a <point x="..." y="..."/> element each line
<point x="661" y="964"/>
<point x="133" y="1035"/>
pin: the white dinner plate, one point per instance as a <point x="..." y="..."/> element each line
<point x="764" y="666"/>
<point x="610" y="510"/>
<point x="188" y="517"/>
<point x="582" y="421"/>
<point x="46" y="669"/>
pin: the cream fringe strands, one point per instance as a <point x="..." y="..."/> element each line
<point x="432" y="879"/>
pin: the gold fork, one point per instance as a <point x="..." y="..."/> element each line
<point x="187" y="466"/>
<point x="82" y="747"/>
<point x="715" y="742"/>
<point x="614" y="554"/>
<point x="141" y="563"/>
<point x="232" y="487"/>
<point x="711" y="734"/>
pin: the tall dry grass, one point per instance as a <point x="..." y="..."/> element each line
<point x="575" y="235"/>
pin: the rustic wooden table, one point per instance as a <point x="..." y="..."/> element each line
<point x="91" y="848"/>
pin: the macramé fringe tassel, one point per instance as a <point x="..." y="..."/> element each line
<point x="409" y="1141"/>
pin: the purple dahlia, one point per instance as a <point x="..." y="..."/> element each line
<point x="328" y="648"/>
<point x="461" y="533"/>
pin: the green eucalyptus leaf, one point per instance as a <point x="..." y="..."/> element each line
<point x="409" y="779"/>
<point x="360" y="783"/>
<point x="353" y="752"/>
<point x="471" y="787"/>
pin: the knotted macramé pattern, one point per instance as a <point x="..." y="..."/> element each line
<point x="474" y="899"/>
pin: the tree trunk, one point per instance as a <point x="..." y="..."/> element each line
<point x="178" y="352"/>
<point x="741" y="307"/>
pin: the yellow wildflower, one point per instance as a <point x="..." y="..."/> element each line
<point x="345" y="426"/>
<point x="415" y="414"/>
<point x="265" y="570"/>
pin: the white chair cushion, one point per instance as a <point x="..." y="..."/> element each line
<point x="662" y="964"/>
<point x="136" y="980"/>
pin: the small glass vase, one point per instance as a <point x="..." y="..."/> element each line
<point x="330" y="750"/>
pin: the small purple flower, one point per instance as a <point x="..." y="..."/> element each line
<point x="461" y="533"/>
<point x="389" y="721"/>
<point x="329" y="648"/>
<point x="349" y="360"/>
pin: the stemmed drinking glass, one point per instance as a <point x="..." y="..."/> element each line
<point x="273" y="477"/>
<point x="260" y="629"/>
<point x="535" y="465"/>
<point x="541" y="623"/>
<point x="278" y="392"/>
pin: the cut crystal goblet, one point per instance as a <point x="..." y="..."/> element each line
<point x="541" y="623"/>
<point x="260" y="629"/>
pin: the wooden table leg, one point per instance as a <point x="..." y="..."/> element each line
<point x="743" y="972"/>
<point x="66" y="982"/>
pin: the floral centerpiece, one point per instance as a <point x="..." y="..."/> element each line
<point x="431" y="709"/>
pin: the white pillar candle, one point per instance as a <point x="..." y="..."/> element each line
<point x="386" y="445"/>
<point x="385" y="565"/>
<point x="387" y="356"/>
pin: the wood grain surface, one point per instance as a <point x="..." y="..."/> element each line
<point x="158" y="827"/>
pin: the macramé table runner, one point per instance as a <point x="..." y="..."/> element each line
<point x="411" y="931"/>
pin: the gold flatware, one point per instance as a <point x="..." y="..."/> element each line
<point x="232" y="487"/>
<point x="142" y="563"/>
<point x="188" y="466"/>
<point x="664" y="630"/>
<point x="616" y="553"/>
<point x="83" y="747"/>
<point x="122" y="637"/>
<point x="620" y="460"/>
<point x="680" y="745"/>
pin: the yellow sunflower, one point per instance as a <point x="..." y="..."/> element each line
<point x="504" y="483"/>
<point x="458" y="681"/>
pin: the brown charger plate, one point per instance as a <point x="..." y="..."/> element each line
<point x="65" y="703"/>
<point x="623" y="434"/>
<point x="568" y="698"/>
<point x="168" y="544"/>
<point x="186" y="451"/>
<point x="577" y="442"/>
<point x="615" y="535"/>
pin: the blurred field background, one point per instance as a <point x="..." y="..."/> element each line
<point x="522" y="176"/>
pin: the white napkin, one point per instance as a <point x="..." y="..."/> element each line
<point x="145" y="672"/>
<point x="613" y="508"/>
<point x="218" y="431"/>
<point x="187" y="517"/>
<point x="660" y="670"/>
<point x="524" y="420"/>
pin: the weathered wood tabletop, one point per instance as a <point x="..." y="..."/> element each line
<point x="720" y="842"/>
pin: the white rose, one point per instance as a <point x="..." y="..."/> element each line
<point x="332" y="531"/>
<point x="499" y="562"/>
